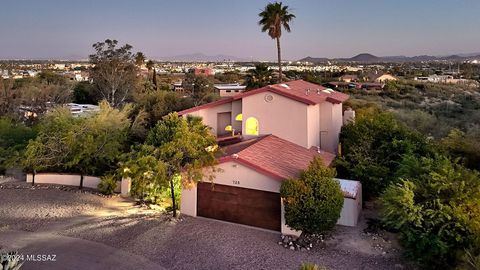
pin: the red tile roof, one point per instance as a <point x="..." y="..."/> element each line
<point x="299" y="90"/>
<point x="274" y="156"/>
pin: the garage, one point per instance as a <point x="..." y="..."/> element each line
<point x="247" y="183"/>
<point x="239" y="205"/>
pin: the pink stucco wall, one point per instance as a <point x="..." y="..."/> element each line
<point x="282" y="117"/>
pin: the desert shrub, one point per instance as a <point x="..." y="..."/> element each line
<point x="435" y="208"/>
<point x="465" y="146"/>
<point x="312" y="266"/>
<point x="373" y="148"/>
<point x="108" y="184"/>
<point x="313" y="201"/>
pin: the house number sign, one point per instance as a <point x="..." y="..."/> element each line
<point x="236" y="182"/>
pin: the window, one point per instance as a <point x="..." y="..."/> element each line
<point x="251" y="126"/>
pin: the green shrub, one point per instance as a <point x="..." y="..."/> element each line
<point x="373" y="147"/>
<point x="436" y="209"/>
<point x="14" y="138"/>
<point x="314" y="201"/>
<point x="108" y="184"/>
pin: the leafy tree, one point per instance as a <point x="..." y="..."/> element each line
<point x="14" y="137"/>
<point x="436" y="209"/>
<point x="372" y="149"/>
<point x="158" y="103"/>
<point x="201" y="89"/>
<point x="314" y="201"/>
<point x="8" y="97"/>
<point x="274" y="17"/>
<point x="147" y="171"/>
<point x="186" y="147"/>
<point x="86" y="145"/>
<point x="33" y="95"/>
<point x="83" y="93"/>
<point x="259" y="77"/>
<point x="114" y="73"/>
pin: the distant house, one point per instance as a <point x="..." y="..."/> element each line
<point x="82" y="109"/>
<point x="373" y="86"/>
<point x="279" y="129"/>
<point x="382" y="78"/>
<point x="447" y="79"/>
<point x="178" y="86"/>
<point x="203" y="72"/>
<point x="229" y="89"/>
<point x="349" y="78"/>
<point x="343" y="85"/>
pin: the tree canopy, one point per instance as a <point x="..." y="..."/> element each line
<point x="114" y="72"/>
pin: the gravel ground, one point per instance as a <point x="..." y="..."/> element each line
<point x="196" y="243"/>
<point x="186" y="243"/>
<point x="23" y="207"/>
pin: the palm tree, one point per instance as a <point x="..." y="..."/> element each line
<point x="259" y="77"/>
<point x="139" y="59"/>
<point x="273" y="18"/>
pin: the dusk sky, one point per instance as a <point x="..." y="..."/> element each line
<point x="337" y="28"/>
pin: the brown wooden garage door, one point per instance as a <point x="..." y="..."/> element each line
<point x="240" y="205"/>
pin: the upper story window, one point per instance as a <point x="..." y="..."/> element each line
<point x="251" y="126"/>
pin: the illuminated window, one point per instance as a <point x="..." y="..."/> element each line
<point x="239" y="117"/>
<point x="251" y="126"/>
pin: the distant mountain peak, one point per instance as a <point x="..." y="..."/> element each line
<point x="370" y="58"/>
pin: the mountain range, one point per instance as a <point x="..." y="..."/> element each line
<point x="370" y="58"/>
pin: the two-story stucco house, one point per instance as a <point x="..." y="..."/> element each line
<point x="280" y="129"/>
<point x="304" y="113"/>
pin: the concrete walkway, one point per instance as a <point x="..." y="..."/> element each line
<point x="71" y="253"/>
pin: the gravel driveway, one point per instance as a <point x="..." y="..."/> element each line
<point x="185" y="243"/>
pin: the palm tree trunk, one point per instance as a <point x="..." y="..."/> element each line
<point x="279" y="61"/>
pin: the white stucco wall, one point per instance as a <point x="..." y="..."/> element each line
<point x="282" y="117"/>
<point x="337" y="123"/>
<point x="331" y="121"/>
<point x="64" y="179"/>
<point x="313" y="113"/>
